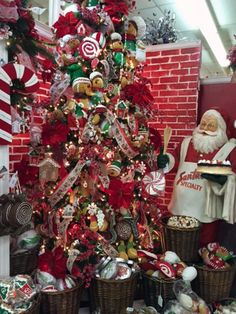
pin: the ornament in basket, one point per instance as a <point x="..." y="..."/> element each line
<point x="19" y="295"/>
<point x="215" y="274"/>
<point x="160" y="272"/>
<point x="181" y="235"/>
<point x="113" y="288"/>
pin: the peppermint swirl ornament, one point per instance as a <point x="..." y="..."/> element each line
<point x="154" y="182"/>
<point x="89" y="48"/>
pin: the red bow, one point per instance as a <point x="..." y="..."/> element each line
<point x="139" y="94"/>
<point x="120" y="194"/>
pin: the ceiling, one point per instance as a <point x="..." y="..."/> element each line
<point x="223" y="12"/>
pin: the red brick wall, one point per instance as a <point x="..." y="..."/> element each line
<point x="20" y="143"/>
<point x="174" y="72"/>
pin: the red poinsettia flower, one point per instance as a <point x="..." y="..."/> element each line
<point x="53" y="262"/>
<point x="54" y="134"/>
<point x="66" y="24"/>
<point x="116" y="7"/>
<point x="120" y="194"/>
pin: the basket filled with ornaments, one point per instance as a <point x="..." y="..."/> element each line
<point x="24" y="252"/>
<point x="60" y="292"/>
<point x="181" y="235"/>
<point x="159" y="273"/>
<point x="113" y="288"/>
<point x="187" y="301"/>
<point x="224" y="306"/>
<point x="19" y="294"/>
<point x="215" y="273"/>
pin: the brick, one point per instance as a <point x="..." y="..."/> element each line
<point x="20" y="149"/>
<point x="180" y="58"/>
<point x="159" y="73"/>
<point x="195" y="56"/>
<point x="187" y="92"/>
<point x="152" y="68"/>
<point x="161" y="99"/>
<point x="169" y="93"/>
<point x="160" y="60"/>
<point x="185" y="132"/>
<point x="187" y="105"/>
<point x="170" y="66"/>
<point x="180" y="72"/>
<point x="194" y="71"/>
<point x="169" y="119"/>
<point x="170" y="79"/>
<point x="178" y="86"/>
<point x="187" y="119"/>
<point x="169" y="106"/>
<point x="190" y="64"/>
<point x="178" y="99"/>
<point x="160" y="87"/>
<point x="193" y="84"/>
<point x="16" y="141"/>
<point x="155" y="80"/>
<point x="192" y="112"/>
<point x="25" y="141"/>
<point x="170" y="52"/>
<point x="192" y="99"/>
<point x="188" y="78"/>
<point x="190" y="50"/>
<point x="151" y="54"/>
<point x="15" y="157"/>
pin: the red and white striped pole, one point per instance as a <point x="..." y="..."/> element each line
<point x="8" y="73"/>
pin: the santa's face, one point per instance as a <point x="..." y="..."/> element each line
<point x="209" y="135"/>
<point x="208" y="124"/>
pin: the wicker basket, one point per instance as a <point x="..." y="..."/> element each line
<point x="154" y="287"/>
<point x="35" y="308"/>
<point x="112" y="296"/>
<point x="213" y="285"/>
<point x="24" y="263"/>
<point x="60" y="302"/>
<point x="184" y="242"/>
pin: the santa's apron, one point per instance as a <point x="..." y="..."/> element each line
<point x="189" y="195"/>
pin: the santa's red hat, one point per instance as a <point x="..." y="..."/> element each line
<point x="223" y="119"/>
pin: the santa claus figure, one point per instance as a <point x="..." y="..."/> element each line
<point x="207" y="197"/>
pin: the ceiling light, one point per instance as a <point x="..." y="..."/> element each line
<point x="198" y="13"/>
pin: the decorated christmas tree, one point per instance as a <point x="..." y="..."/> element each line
<point x="98" y="181"/>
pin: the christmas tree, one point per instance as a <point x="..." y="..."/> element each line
<point x="97" y="179"/>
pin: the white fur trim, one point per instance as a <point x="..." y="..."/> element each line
<point x="116" y="36"/>
<point x="95" y="74"/>
<point x="141" y="25"/>
<point x="81" y="80"/>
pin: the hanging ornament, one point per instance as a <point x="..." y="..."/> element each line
<point x="48" y="169"/>
<point x="154" y="182"/>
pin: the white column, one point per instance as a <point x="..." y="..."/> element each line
<point x="54" y="9"/>
<point x="4" y="187"/>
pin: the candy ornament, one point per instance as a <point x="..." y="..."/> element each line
<point x="89" y="48"/>
<point x="171" y="257"/>
<point x="189" y="273"/>
<point x="154" y="182"/>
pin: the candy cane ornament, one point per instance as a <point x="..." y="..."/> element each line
<point x="8" y="73"/>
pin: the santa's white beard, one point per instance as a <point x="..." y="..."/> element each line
<point x="207" y="143"/>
